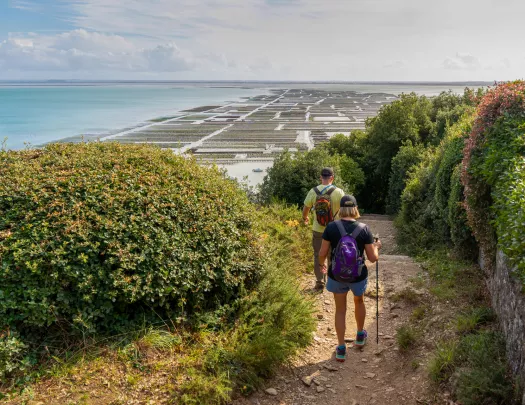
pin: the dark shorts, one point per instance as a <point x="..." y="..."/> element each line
<point x="337" y="287"/>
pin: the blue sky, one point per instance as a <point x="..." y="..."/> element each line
<point x="41" y="16"/>
<point x="262" y="39"/>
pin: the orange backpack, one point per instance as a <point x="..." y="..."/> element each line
<point x="323" y="206"/>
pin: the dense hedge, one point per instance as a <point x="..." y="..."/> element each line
<point x="408" y="157"/>
<point x="418" y="120"/>
<point x="451" y="156"/>
<point x="432" y="201"/>
<point x="90" y="233"/>
<point x="494" y="173"/>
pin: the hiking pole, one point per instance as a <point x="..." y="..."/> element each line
<point x="377" y="301"/>
<point x="377" y="295"/>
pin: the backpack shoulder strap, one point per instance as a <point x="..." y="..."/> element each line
<point x="355" y="233"/>
<point x="316" y="191"/>
<point x="341" y="228"/>
<point x="331" y="190"/>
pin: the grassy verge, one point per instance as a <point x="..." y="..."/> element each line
<point x="207" y="361"/>
<point x="452" y="321"/>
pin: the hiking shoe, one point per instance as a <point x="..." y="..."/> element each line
<point x="360" y="339"/>
<point x="340" y="353"/>
<point x="319" y="285"/>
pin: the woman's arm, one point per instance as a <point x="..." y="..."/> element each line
<point x="372" y="250"/>
<point x="323" y="252"/>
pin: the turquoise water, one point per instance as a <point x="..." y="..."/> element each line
<point x="37" y="114"/>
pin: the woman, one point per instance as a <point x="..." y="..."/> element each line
<point x="348" y="214"/>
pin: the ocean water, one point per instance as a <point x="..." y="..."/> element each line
<point x="35" y="113"/>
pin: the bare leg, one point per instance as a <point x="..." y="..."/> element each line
<point x="360" y="312"/>
<point x="340" y="316"/>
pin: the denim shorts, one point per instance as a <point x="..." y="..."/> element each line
<point x="337" y="287"/>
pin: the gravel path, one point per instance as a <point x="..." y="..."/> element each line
<point x="378" y="374"/>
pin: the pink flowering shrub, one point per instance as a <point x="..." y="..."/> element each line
<point x="493" y="173"/>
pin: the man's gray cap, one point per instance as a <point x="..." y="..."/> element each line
<point x="327" y="172"/>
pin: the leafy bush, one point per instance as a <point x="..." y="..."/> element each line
<point x="448" y="117"/>
<point x="494" y="174"/>
<point x="12" y="356"/>
<point x="292" y="176"/>
<point x="412" y="119"/>
<point x="396" y="124"/>
<point x="432" y="201"/>
<point x="343" y="145"/>
<point x="451" y="155"/>
<point x="90" y="233"/>
<point x="415" y="219"/>
<point x="407" y="157"/>
<point x="460" y="233"/>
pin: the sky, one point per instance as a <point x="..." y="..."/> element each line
<point x="318" y="40"/>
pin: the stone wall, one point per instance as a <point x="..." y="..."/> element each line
<point x="508" y="300"/>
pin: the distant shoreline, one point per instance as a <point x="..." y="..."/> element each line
<point x="419" y="83"/>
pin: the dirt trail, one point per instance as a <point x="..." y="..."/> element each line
<point x="377" y="374"/>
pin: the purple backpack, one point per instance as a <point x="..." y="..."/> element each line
<point x="347" y="264"/>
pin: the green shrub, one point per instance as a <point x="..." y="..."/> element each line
<point x="415" y="219"/>
<point x="441" y="365"/>
<point x="460" y="233"/>
<point x="343" y="145"/>
<point x="478" y="381"/>
<point x="503" y="168"/>
<point x="351" y="174"/>
<point x="407" y="157"/>
<point x="493" y="174"/>
<point x="476" y="369"/>
<point x="470" y="321"/>
<point x="12" y="356"/>
<point x="451" y="149"/>
<point x="446" y="118"/>
<point x="200" y="387"/>
<point x="396" y="124"/>
<point x="406" y="337"/>
<point x="91" y="233"/>
<point x="432" y="201"/>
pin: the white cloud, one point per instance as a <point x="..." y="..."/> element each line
<point x="395" y="64"/>
<point x="26" y="5"/>
<point x="462" y="61"/>
<point x="167" y="58"/>
<point x="278" y="39"/>
<point x="80" y="50"/>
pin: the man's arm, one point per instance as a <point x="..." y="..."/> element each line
<point x="306" y="211"/>
<point x="323" y="252"/>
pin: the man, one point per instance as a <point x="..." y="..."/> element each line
<point x="330" y="194"/>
